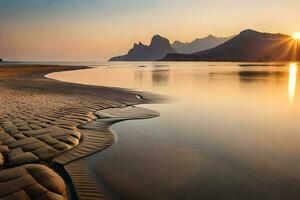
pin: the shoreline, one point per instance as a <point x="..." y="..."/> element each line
<point x="61" y="120"/>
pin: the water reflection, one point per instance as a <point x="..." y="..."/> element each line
<point x="213" y="142"/>
<point x="139" y="77"/>
<point x="292" y="81"/>
<point x="250" y="76"/>
<point x="160" y="77"/>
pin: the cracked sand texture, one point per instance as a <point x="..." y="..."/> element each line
<point x="39" y="120"/>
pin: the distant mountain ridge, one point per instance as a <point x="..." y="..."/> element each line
<point x="249" y="45"/>
<point x="158" y="48"/>
<point x="199" y="44"/>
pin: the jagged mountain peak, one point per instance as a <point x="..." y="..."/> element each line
<point x="158" y="48"/>
<point x="159" y="40"/>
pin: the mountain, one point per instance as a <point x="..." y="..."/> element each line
<point x="158" y="48"/>
<point x="198" y="45"/>
<point x="249" y="45"/>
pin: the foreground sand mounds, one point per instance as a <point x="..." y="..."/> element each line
<point x="39" y="139"/>
<point x="86" y="187"/>
<point x="32" y="181"/>
<point x="96" y="135"/>
<point x="47" y="121"/>
<point x="130" y="112"/>
<point x="39" y="121"/>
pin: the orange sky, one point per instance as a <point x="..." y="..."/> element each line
<point x="95" y="30"/>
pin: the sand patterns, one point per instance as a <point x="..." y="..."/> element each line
<point x="43" y="121"/>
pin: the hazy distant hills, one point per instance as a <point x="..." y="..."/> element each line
<point x="158" y="48"/>
<point x="249" y="45"/>
<point x="198" y="45"/>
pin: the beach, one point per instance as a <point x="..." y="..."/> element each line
<point x="229" y="131"/>
<point x="72" y="132"/>
<point x="202" y="102"/>
<point x="48" y="126"/>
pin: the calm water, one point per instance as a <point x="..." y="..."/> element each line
<point x="233" y="132"/>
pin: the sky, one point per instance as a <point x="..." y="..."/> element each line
<point x="95" y="30"/>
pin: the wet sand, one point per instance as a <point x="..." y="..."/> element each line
<point x="47" y="126"/>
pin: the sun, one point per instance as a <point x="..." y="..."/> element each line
<point x="296" y="35"/>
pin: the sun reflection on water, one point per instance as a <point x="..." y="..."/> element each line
<point x="292" y="81"/>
